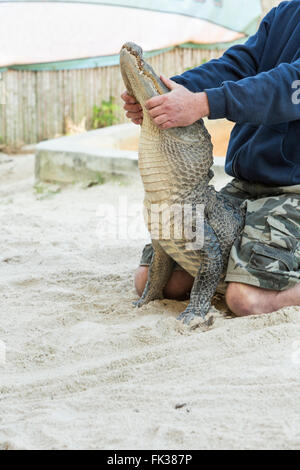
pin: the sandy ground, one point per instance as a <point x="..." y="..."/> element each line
<point x="85" y="370"/>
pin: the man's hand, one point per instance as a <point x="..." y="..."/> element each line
<point x="179" y="108"/>
<point x="133" y="108"/>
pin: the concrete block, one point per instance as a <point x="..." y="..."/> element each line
<point x="94" y="156"/>
<point x="90" y="157"/>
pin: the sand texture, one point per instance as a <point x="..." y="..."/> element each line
<point x="85" y="370"/>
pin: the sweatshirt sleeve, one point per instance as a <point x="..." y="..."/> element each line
<point x="238" y="62"/>
<point x="268" y="98"/>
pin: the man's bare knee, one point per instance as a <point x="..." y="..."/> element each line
<point x="242" y="299"/>
<point x="178" y="287"/>
<point x="140" y="279"/>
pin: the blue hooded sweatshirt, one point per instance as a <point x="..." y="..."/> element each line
<point x="257" y="86"/>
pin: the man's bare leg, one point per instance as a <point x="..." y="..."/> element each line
<point x="178" y="287"/>
<point x="243" y="299"/>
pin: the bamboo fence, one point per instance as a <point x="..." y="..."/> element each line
<point x="39" y="102"/>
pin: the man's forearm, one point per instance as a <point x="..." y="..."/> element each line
<point x="264" y="99"/>
<point x="238" y="62"/>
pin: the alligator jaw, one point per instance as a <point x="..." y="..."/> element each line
<point x="142" y="85"/>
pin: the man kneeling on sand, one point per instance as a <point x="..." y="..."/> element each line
<point x="255" y="85"/>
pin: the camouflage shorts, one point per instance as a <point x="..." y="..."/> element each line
<point x="267" y="253"/>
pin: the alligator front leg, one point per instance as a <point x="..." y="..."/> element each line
<point x="160" y="271"/>
<point x="207" y="279"/>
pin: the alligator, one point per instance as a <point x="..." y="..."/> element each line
<point x="175" y="167"/>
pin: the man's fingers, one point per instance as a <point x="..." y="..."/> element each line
<point x="166" y="125"/>
<point x="160" y="99"/>
<point x="131" y="100"/>
<point x="154" y="102"/>
<point x="161" y="120"/>
<point x="137" y="121"/>
<point x="157" y="111"/>
<point x="128" y="98"/>
<point x="169" y="83"/>
<point x="135" y="108"/>
<point x="132" y="115"/>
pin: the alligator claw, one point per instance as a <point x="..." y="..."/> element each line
<point x="191" y="313"/>
<point x="146" y="299"/>
<point x="187" y="316"/>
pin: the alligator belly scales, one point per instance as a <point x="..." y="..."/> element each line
<point x="175" y="166"/>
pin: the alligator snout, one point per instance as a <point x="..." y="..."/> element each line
<point x="133" y="49"/>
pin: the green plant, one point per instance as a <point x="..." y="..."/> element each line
<point x="45" y="190"/>
<point x="1" y="140"/>
<point x="105" y="115"/>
